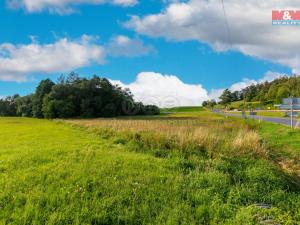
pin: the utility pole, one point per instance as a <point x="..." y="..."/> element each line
<point x="292" y="124"/>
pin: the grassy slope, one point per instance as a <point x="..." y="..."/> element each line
<point x="52" y="173"/>
<point x="184" y="109"/>
<point x="271" y="114"/>
<point x="238" y="104"/>
<point x="285" y="144"/>
<point x="282" y="137"/>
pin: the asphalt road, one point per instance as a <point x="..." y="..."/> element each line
<point x="283" y="121"/>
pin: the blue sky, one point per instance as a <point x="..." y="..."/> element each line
<point x="166" y="48"/>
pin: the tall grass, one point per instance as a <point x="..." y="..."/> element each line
<point x="191" y="136"/>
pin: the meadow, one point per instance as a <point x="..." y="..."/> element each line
<point x="185" y="167"/>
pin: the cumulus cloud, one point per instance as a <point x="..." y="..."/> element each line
<point x="169" y="91"/>
<point x="250" y="28"/>
<point x="165" y="90"/>
<point x="19" y="61"/>
<point x="62" y="6"/>
<point x="124" y="46"/>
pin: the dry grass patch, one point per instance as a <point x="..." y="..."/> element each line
<point x="189" y="135"/>
<point x="249" y="141"/>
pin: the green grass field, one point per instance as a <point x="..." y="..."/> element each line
<point x="285" y="144"/>
<point x="183" y="109"/>
<point x="271" y="114"/>
<point x="186" y="168"/>
<point x="246" y="105"/>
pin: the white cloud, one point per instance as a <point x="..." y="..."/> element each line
<point x="269" y="76"/>
<point x="251" y="30"/>
<point x="165" y="90"/>
<point x="19" y="61"/>
<point x="124" y="46"/>
<point x="169" y="91"/>
<point x="62" y="6"/>
<point x="214" y="94"/>
<point x="242" y="84"/>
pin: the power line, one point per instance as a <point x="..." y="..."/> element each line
<point x="227" y="23"/>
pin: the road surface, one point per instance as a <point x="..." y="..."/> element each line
<point x="283" y="121"/>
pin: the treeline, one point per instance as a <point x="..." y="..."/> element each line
<point x="267" y="92"/>
<point x="73" y="96"/>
